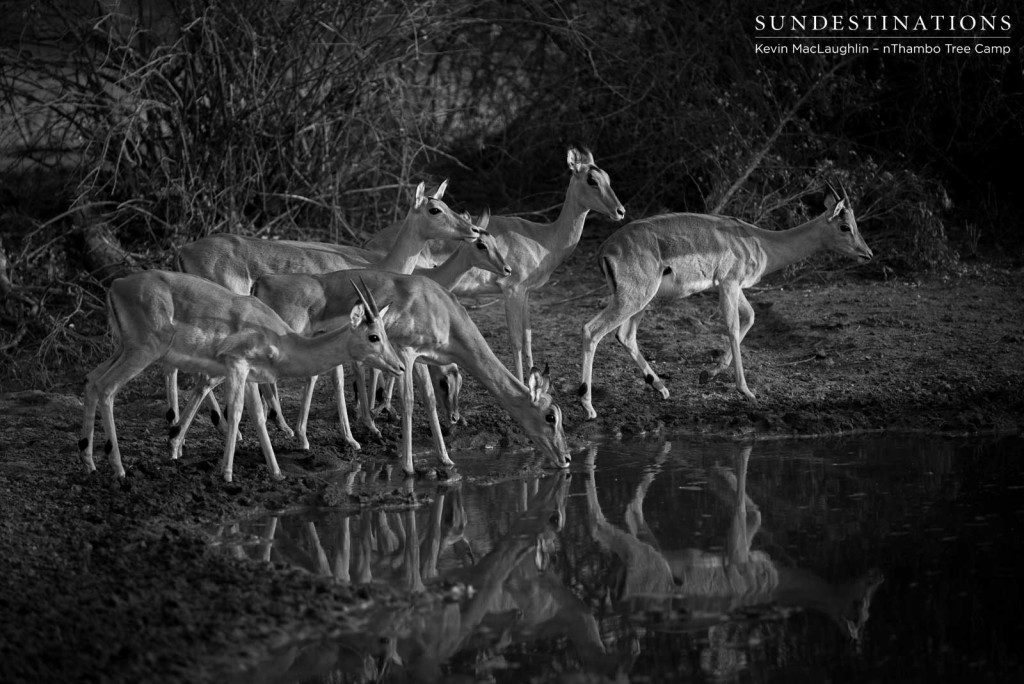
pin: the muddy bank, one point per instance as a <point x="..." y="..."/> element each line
<point x="116" y="581"/>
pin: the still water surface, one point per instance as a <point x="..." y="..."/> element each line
<point x="844" y="560"/>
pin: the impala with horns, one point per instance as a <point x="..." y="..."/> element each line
<point x="680" y="254"/>
<point x="533" y="250"/>
<point x="186" y="322"/>
<point x="481" y="253"/>
<point x="236" y="262"/>
<point x="426" y="323"/>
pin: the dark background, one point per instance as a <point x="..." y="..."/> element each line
<point x="132" y="130"/>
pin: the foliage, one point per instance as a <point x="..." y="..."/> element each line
<point x="312" y="118"/>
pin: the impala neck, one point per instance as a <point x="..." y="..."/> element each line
<point x="302" y="355"/>
<point x="402" y="256"/>
<point x="785" y="247"/>
<point x="477" y="358"/>
<point x="571" y="218"/>
<point x="453" y="268"/>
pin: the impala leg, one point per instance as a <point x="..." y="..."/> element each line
<point x="430" y="404"/>
<point x="216" y="417"/>
<point x="514" y="307"/>
<point x="339" y="396"/>
<point x="235" y="400"/>
<point x="254" y="404"/>
<point x="269" y="391"/>
<point x="746" y="315"/>
<point x="405" y="387"/>
<point x="527" y="331"/>
<point x="303" y="421"/>
<point x="364" y="402"/>
<point x="85" y="437"/>
<point x="618" y="310"/>
<point x="729" y="300"/>
<point x="171" y="389"/>
<point x="626" y="336"/>
<point x="126" y="366"/>
<point x="176" y="433"/>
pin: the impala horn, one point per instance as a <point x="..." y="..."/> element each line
<point x="367" y="299"/>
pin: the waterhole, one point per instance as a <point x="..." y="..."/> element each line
<point x="855" y="559"/>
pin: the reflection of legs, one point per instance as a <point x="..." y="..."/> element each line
<point x="746" y="519"/>
<point x="635" y="522"/>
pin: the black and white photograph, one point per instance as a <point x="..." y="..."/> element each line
<point x="511" y="341"/>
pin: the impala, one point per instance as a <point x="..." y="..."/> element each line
<point x="481" y="253"/>
<point x="427" y="323"/>
<point x="236" y="262"/>
<point x="680" y="254"/>
<point x="484" y="254"/>
<point x="533" y="250"/>
<point x="183" y="321"/>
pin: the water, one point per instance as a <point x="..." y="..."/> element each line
<point x="849" y="560"/>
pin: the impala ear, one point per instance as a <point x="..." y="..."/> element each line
<point x="421" y="196"/>
<point x="358" y="316"/>
<point x="273" y="352"/>
<point x="575" y="160"/>
<point x="484" y="219"/>
<point x="539" y="384"/>
<point x="838" y="209"/>
<point x="383" y="312"/>
<point x="439" y="193"/>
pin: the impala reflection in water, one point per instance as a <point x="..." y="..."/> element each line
<point x="674" y="561"/>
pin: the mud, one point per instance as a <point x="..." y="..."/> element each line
<point x="116" y="580"/>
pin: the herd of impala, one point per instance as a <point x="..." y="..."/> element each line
<point x="242" y="311"/>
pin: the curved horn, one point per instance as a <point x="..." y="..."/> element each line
<point x="832" y="189"/>
<point x="369" y="297"/>
<point x="370" y="313"/>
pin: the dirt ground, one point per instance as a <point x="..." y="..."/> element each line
<point x="117" y="582"/>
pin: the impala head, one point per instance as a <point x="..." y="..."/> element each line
<point x="371" y="345"/>
<point x="544" y="422"/>
<point x="843" y="236"/>
<point x="484" y="252"/>
<point x="853" y="614"/>
<point x="593" y="185"/>
<point x="434" y="219"/>
<point x="447" y="386"/>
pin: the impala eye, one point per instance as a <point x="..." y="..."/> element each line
<point x="480" y="245"/>
<point x="374" y="338"/>
<point x="845" y="227"/>
<point x="591" y="181"/>
<point x="434" y="210"/>
<point x="550" y="417"/>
